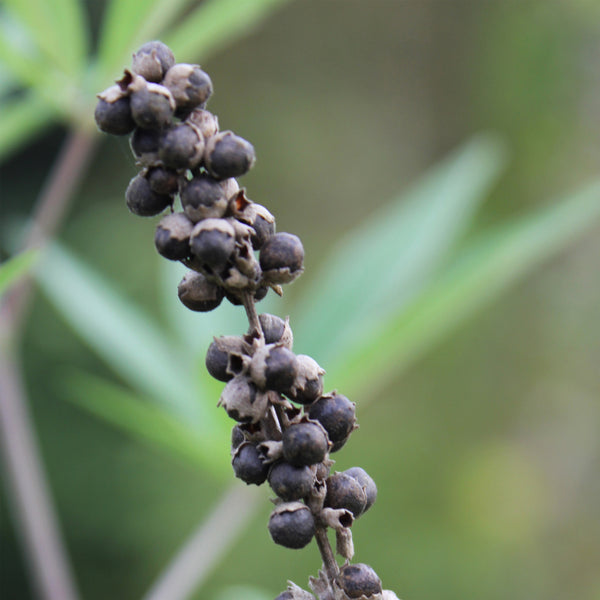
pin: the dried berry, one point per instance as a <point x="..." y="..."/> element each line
<point x="343" y="491"/>
<point x="242" y="401"/>
<point x="248" y="466"/>
<point x="304" y="444"/>
<point x="367" y="483"/>
<point x="152" y="105"/>
<point x="189" y="85"/>
<point x="152" y="61"/>
<point x="337" y="415"/>
<point x="274" y="367"/>
<point x="308" y="385"/>
<point x="282" y="258"/>
<point x="113" y="112"/>
<point x="172" y="237"/>
<point x="228" y="155"/>
<point x="204" y="197"/>
<point x="212" y="243"/>
<point x="144" y="145"/>
<point x="359" y="580"/>
<point x="237" y="437"/>
<point x="236" y="299"/>
<point x="290" y="482"/>
<point x="163" y="181"/>
<point x="276" y="330"/>
<point x="206" y="122"/>
<point x="197" y="293"/>
<point x="223" y="351"/>
<point x="142" y="200"/>
<point x="292" y="525"/>
<point x="181" y="147"/>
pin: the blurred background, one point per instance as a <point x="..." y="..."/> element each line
<point x="483" y="436"/>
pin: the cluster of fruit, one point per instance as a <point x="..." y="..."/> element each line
<point x="286" y="425"/>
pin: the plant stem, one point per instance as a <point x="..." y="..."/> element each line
<point x="329" y="562"/>
<point x="252" y="315"/>
<point x="34" y="514"/>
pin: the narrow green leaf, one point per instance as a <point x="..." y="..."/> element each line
<point x="125" y="338"/>
<point x="482" y="271"/>
<point x="390" y="258"/>
<point x="16" y="267"/>
<point x="145" y="421"/>
<point x="20" y="119"/>
<point x="216" y="23"/>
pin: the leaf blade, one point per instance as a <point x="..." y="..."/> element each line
<point x="16" y="267"/>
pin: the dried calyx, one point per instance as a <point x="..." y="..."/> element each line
<point x="287" y="426"/>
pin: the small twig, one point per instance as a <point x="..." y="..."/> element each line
<point x="329" y="563"/>
<point x="255" y="328"/>
<point x="207" y="545"/>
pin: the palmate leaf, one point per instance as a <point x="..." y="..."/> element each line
<point x="385" y="262"/>
<point x="483" y="270"/>
<point x="146" y="422"/>
<point x="16" y="267"/>
<point x="126" y="339"/>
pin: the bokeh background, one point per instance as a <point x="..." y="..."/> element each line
<point x="486" y="447"/>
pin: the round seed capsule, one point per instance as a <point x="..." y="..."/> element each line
<point x="190" y="86"/>
<point x="203" y="197"/>
<point x="237" y="437"/>
<point x="144" y="145"/>
<point x="343" y="491"/>
<point x="113" y="112"/>
<point x="228" y="155"/>
<point x="308" y="385"/>
<point x="359" y="580"/>
<point x="220" y="353"/>
<point x="248" y="466"/>
<point x="236" y="299"/>
<point x="152" y="105"/>
<point x="276" y="330"/>
<point x="292" y="525"/>
<point x="172" y="237"/>
<point x="366" y="482"/>
<point x="290" y="482"/>
<point x="337" y="415"/>
<point x="304" y="444"/>
<point x="274" y="367"/>
<point x="142" y="200"/>
<point x="212" y="243"/>
<point x="197" y="293"/>
<point x="163" y="181"/>
<point x="205" y="121"/>
<point x="181" y="147"/>
<point x="281" y="258"/>
<point x="152" y="61"/>
<point x="242" y="401"/>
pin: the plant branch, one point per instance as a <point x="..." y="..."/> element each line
<point x="207" y="545"/>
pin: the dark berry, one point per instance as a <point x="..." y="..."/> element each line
<point x="237" y="437"/>
<point x="236" y="299"/>
<point x="197" y="293"/>
<point x="144" y="145"/>
<point x="181" y="147"/>
<point x="290" y="482"/>
<point x="359" y="580"/>
<point x="308" y="385"/>
<point x="205" y="121"/>
<point x="152" y="61"/>
<point x="274" y="367"/>
<point x="248" y="466"/>
<point x="282" y="258"/>
<point x="228" y="155"/>
<point x="337" y="415"/>
<point x="242" y="401"/>
<point x="190" y="86"/>
<point x="152" y="105"/>
<point x="367" y="483"/>
<point x="220" y="353"/>
<point x="114" y="116"/>
<point x="292" y="525"/>
<point x="344" y="491"/>
<point x="163" y="181"/>
<point x="276" y="330"/>
<point x="304" y="444"/>
<point x="172" y="237"/>
<point x="203" y="197"/>
<point x="142" y="200"/>
<point x="212" y="243"/>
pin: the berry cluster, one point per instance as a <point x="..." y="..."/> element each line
<point x="286" y="425"/>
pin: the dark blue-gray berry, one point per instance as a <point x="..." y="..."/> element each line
<point x="236" y="297"/>
<point x="282" y="258"/>
<point x="292" y="525"/>
<point x="213" y="243"/>
<point x="144" y="145"/>
<point x="274" y="367"/>
<point x="367" y="483"/>
<point x="199" y="294"/>
<point x="276" y="330"/>
<point x="142" y="200"/>
<point x="308" y="385"/>
<point x="248" y="466"/>
<point x="152" y="105"/>
<point x="152" y="61"/>
<point x="337" y="415"/>
<point x="181" y="147"/>
<point x="189" y="85"/>
<point x="162" y="180"/>
<point x="304" y="444"/>
<point x="237" y="437"/>
<point x="113" y="112"/>
<point x="359" y="580"/>
<point x="204" y="197"/>
<point x="290" y="482"/>
<point x="228" y="155"/>
<point x="221" y="352"/>
<point x="343" y="491"/>
<point x="172" y="237"/>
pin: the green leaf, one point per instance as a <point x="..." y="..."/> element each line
<point x="216" y="23"/>
<point x="58" y="28"/>
<point x="145" y="421"/>
<point x="126" y="339"/>
<point x="481" y="272"/>
<point x="387" y="261"/>
<point x="16" y="267"/>
<point x="20" y="119"/>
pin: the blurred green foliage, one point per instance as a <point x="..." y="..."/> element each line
<point x="484" y="452"/>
